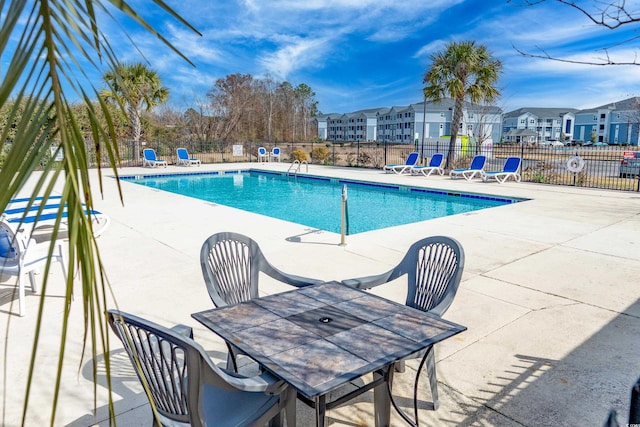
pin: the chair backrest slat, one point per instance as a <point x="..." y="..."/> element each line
<point x="434" y="268"/>
<point x="163" y="366"/>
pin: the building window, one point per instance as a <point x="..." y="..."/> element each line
<point x="603" y="116"/>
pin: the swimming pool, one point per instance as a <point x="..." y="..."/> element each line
<point x="316" y="201"/>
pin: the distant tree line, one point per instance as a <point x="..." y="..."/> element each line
<point x="237" y="108"/>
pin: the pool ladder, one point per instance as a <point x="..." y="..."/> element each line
<point x="296" y="165"/>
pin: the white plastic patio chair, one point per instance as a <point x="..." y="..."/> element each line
<point x="275" y="154"/>
<point x="263" y="154"/>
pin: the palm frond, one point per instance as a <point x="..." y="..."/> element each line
<point x="56" y="39"/>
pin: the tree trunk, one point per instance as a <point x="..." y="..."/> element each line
<point x="136" y="132"/>
<point x="455" y="126"/>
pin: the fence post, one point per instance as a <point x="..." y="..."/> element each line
<point x="333" y="148"/>
<point x="385" y="152"/>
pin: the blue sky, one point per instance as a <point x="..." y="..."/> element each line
<point x="358" y="54"/>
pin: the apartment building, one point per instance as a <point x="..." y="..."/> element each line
<point x="534" y="125"/>
<point x="405" y="124"/>
<point x="615" y="123"/>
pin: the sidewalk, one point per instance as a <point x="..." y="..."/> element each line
<point x="549" y="296"/>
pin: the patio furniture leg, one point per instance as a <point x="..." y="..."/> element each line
<point x="290" y="410"/>
<point x="381" y="398"/>
<point x="21" y="296"/>
<point x="433" y="381"/>
<point x="321" y="409"/>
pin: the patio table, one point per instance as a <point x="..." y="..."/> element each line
<point x="320" y="337"/>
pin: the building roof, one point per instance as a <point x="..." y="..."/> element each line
<point x="540" y="112"/>
<point x="629" y="104"/>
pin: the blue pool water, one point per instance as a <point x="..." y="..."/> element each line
<point x="316" y="201"/>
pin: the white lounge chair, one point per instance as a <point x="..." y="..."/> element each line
<point x="184" y="158"/>
<point x="20" y="255"/>
<point x="412" y="160"/>
<point x="511" y="169"/>
<point x="435" y="165"/>
<point x="150" y="158"/>
<point x="476" y="169"/>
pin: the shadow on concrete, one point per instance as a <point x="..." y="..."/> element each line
<point x="126" y="388"/>
<point x="579" y="389"/>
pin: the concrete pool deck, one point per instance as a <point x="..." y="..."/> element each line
<point x="549" y="295"/>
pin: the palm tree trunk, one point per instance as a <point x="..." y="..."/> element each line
<point x="455" y="126"/>
<point x="136" y="132"/>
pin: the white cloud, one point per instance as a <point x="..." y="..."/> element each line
<point x="295" y="55"/>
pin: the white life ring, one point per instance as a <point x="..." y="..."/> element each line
<point x="575" y="164"/>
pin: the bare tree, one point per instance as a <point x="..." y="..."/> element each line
<point x="486" y="115"/>
<point x="230" y="98"/>
<point x="611" y="14"/>
<point x="268" y="89"/>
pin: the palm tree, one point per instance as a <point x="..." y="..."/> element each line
<point x="45" y="61"/>
<point x="461" y="71"/>
<point x="136" y="87"/>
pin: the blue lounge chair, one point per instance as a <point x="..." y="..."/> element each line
<point x="475" y="170"/>
<point x="511" y="169"/>
<point x="150" y="158"/>
<point x="435" y="165"/>
<point x="184" y="159"/>
<point x="411" y="161"/>
<point x="40" y="218"/>
<point x="263" y="154"/>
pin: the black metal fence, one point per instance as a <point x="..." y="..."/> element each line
<point x="540" y="164"/>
